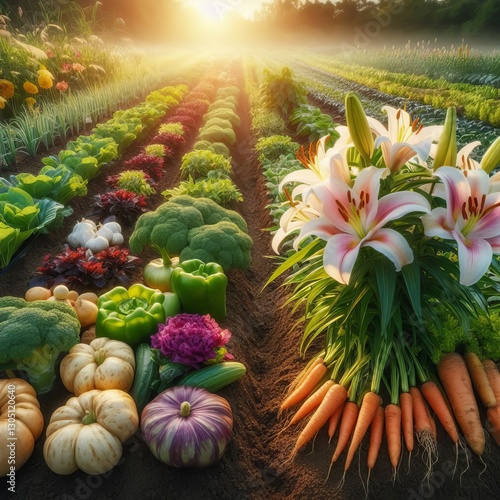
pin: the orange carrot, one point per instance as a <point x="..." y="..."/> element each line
<point x="334" y="398"/>
<point x="432" y="422"/>
<point x="347" y="424"/>
<point x="376" y="433"/>
<point x="493" y="413"/>
<point x="312" y="402"/>
<point x="435" y="398"/>
<point x="421" y="415"/>
<point x="367" y="411"/>
<point x="333" y="422"/>
<point x="307" y="385"/>
<point x="456" y="381"/>
<point x="406" y="403"/>
<point x="393" y="433"/>
<point x="493" y="375"/>
<point x="304" y="373"/>
<point x="480" y="380"/>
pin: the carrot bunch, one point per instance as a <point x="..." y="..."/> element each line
<point x="351" y="406"/>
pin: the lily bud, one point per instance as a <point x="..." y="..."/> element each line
<point x="358" y="126"/>
<point x="446" y="154"/>
<point x="492" y="157"/>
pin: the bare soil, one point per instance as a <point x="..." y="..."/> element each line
<point x="266" y="339"/>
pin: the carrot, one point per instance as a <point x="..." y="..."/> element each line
<point x="393" y="433"/>
<point x="432" y="422"/>
<point x="406" y="402"/>
<point x="493" y="414"/>
<point x="376" y="433"/>
<point x="435" y="398"/>
<point x="347" y="424"/>
<point x="493" y="375"/>
<point x="305" y="387"/>
<point x="421" y="415"/>
<point x="480" y="380"/>
<point x="456" y="381"/>
<point x="333" y="422"/>
<point x="304" y="373"/>
<point x="312" y="402"/>
<point x="367" y="411"/>
<point x="334" y="398"/>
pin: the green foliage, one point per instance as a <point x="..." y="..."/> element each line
<point x="135" y="181"/>
<point x="157" y="150"/>
<point x="33" y="334"/>
<point x="267" y="122"/>
<point x="218" y="134"/>
<point x="223" y="190"/>
<point x="281" y="91"/>
<point x="271" y="148"/>
<point x="171" y="128"/>
<point x="57" y="183"/>
<point x="122" y="132"/>
<point x="232" y="91"/>
<point x="216" y="147"/>
<point x="222" y="104"/>
<point x="218" y="122"/>
<point x="199" y="163"/>
<point x="225" y="114"/>
<point x="312" y="124"/>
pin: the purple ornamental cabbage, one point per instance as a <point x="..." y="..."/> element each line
<point x="192" y="340"/>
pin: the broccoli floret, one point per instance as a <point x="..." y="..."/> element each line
<point x="32" y="335"/>
<point x="174" y="228"/>
<point x="223" y="243"/>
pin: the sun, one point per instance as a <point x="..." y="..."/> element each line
<point x="210" y="10"/>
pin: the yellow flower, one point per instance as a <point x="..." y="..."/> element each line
<point x="30" y="101"/>
<point x="45" y="79"/>
<point x="31" y="88"/>
<point x="3" y="102"/>
<point x="6" y="89"/>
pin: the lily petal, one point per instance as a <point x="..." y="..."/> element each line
<point x="474" y="257"/>
<point x="435" y="224"/>
<point x="457" y="191"/>
<point x="393" y="245"/>
<point x="341" y="252"/>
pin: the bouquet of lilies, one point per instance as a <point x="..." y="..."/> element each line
<point x="395" y="236"/>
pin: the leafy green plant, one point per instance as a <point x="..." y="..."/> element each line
<point x="271" y="148"/>
<point x="222" y="104"/>
<point x="135" y="181"/>
<point x="171" y="128"/>
<point x="232" y="91"/>
<point x="218" y="122"/>
<point x="20" y="217"/>
<point x="223" y="191"/>
<point x="225" y="114"/>
<point x="157" y="150"/>
<point x="267" y="122"/>
<point x="312" y="124"/>
<point x="281" y="92"/>
<point x="218" y="134"/>
<point x="199" y="163"/>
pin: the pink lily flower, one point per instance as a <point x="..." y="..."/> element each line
<point x="471" y="218"/>
<point x="353" y="217"/>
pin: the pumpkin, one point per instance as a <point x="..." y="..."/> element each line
<point x="187" y="426"/>
<point x="103" y="364"/>
<point x="87" y="433"/>
<point x="20" y="418"/>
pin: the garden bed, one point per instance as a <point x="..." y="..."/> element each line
<point x="265" y="339"/>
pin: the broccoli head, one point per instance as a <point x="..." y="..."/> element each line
<point x="223" y="243"/>
<point x="32" y="335"/>
<point x="175" y="229"/>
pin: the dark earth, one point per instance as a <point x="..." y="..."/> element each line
<point x="266" y="339"/>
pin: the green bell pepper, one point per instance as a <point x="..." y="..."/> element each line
<point x="201" y="288"/>
<point x="131" y="316"/>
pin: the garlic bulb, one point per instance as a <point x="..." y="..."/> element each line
<point x="82" y="232"/>
<point x="114" y="226"/>
<point x="97" y="244"/>
<point x="117" y="239"/>
<point x="105" y="232"/>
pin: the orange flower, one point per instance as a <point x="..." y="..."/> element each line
<point x="62" y="86"/>
<point x="3" y="102"/>
<point x="6" y="89"/>
<point x="78" y="67"/>
<point x="31" y="88"/>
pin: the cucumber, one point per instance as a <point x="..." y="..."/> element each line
<point x="214" y="377"/>
<point x="146" y="373"/>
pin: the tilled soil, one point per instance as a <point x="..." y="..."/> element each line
<point x="266" y="339"/>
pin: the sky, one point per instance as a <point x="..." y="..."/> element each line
<point x="216" y="9"/>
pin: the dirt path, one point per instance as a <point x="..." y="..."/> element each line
<point x="266" y="341"/>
